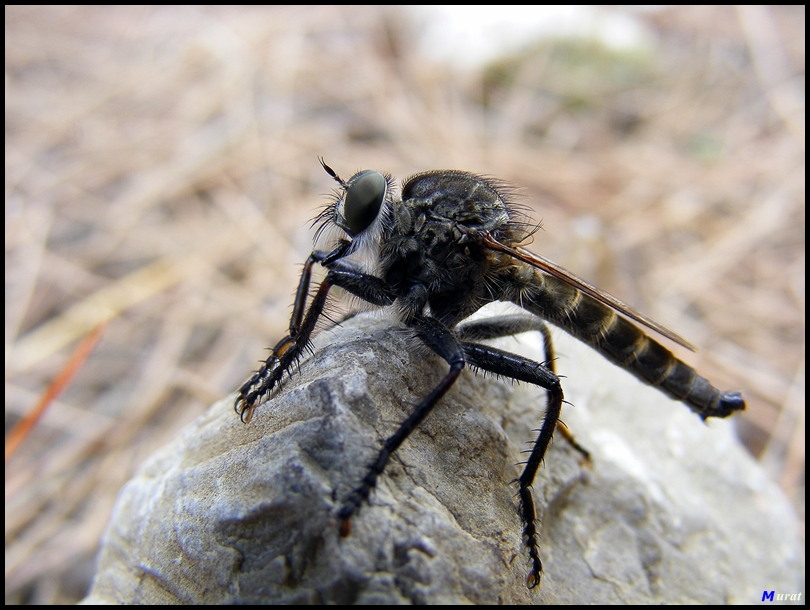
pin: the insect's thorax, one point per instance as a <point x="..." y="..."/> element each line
<point x="432" y="254"/>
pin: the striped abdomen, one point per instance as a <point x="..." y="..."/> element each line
<point x="623" y="343"/>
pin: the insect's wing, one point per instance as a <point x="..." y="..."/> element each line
<point x="546" y="266"/>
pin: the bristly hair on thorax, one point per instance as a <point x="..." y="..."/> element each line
<point x="518" y="230"/>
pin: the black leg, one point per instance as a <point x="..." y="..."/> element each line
<point x="550" y="363"/>
<point x="284" y="355"/>
<point x="442" y="341"/>
<point x="317" y="256"/>
<point x="514" y="366"/>
<point x="501" y="326"/>
<point x="261" y="382"/>
<point x="504" y="326"/>
<point x="287" y="351"/>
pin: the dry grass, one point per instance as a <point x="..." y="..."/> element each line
<point x="161" y="169"/>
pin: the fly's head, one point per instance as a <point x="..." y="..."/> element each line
<point x="360" y="207"/>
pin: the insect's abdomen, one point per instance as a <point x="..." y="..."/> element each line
<point x="624" y="344"/>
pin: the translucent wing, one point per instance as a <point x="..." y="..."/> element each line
<point x="545" y="265"/>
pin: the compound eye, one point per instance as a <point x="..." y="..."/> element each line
<point x="363" y="200"/>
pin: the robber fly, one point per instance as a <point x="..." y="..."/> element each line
<point x="447" y="246"/>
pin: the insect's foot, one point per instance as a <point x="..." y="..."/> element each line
<point x="345" y="516"/>
<point x="354" y="501"/>
<point x="534" y="578"/>
<point x="535" y="575"/>
<point x="248" y="398"/>
<point x="254" y="391"/>
<point x="245" y="411"/>
<point x="254" y="395"/>
<point x="530" y="536"/>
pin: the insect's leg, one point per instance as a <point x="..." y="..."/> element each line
<point x="283" y="356"/>
<point x="550" y="361"/>
<point x="289" y="349"/>
<point x="246" y="400"/>
<point x="301" y="294"/>
<point x="317" y="256"/>
<point x="441" y="340"/>
<point x="513" y="324"/>
<point x="500" y="326"/>
<point x="522" y="369"/>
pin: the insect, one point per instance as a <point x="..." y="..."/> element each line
<point x="444" y="248"/>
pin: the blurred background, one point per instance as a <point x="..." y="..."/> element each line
<point x="161" y="173"/>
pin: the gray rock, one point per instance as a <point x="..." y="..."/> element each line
<point x="671" y="511"/>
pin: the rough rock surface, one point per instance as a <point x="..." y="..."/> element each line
<point x="671" y="511"/>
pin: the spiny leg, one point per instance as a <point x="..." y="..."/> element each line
<point x="513" y="324"/>
<point x="284" y="355"/>
<point x="287" y="351"/>
<point x="523" y="369"/>
<point x="500" y="326"/>
<point x="442" y="341"/>
<point x="263" y="380"/>
<point x="551" y="363"/>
